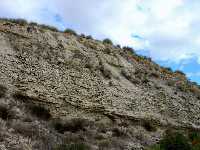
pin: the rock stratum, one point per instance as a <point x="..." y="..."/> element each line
<point x="59" y="88"/>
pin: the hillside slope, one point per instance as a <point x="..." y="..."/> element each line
<point x="60" y="88"/>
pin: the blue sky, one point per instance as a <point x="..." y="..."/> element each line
<point x="165" y="30"/>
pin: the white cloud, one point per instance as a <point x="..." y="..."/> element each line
<point x="193" y="74"/>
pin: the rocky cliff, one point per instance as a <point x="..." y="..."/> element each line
<point x="61" y="88"/>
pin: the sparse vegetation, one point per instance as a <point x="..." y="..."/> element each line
<point x="149" y="126"/>
<point x="105" y="71"/>
<point x="174" y="140"/>
<point x="82" y="35"/>
<point x="4" y="112"/>
<point x="168" y="69"/>
<point x="170" y="82"/>
<point x="33" y="23"/>
<point x="21" y="22"/>
<point x="73" y="125"/>
<point x="3" y="91"/>
<point x="18" y="95"/>
<point x="104" y="144"/>
<point x="129" y="76"/>
<point x="182" y="87"/>
<point x="39" y="111"/>
<point x="48" y="27"/>
<point x="74" y="146"/>
<point x="120" y="131"/>
<point x="70" y="31"/>
<point x="129" y="50"/>
<point x="180" y="72"/>
<point x="195" y="140"/>
<point x="155" y="74"/>
<point x="118" y="46"/>
<point x="89" y="37"/>
<point x="27" y="129"/>
<point x="145" y="79"/>
<point x="91" y="80"/>
<point x="107" y="41"/>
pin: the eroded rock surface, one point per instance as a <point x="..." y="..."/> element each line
<point x="75" y="77"/>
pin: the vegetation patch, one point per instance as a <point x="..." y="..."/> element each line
<point x="21" y="22"/>
<point x="74" y="146"/>
<point x="3" y="91"/>
<point x="44" y="26"/>
<point x="89" y="37"/>
<point x="195" y="140"/>
<point x="21" y="96"/>
<point x="4" y="113"/>
<point x="33" y="24"/>
<point x="73" y="125"/>
<point x="120" y="131"/>
<point x="39" y="112"/>
<point x="180" y="72"/>
<point x="105" y="71"/>
<point x="149" y="126"/>
<point x="70" y="31"/>
<point x="107" y="41"/>
<point x="178" y="141"/>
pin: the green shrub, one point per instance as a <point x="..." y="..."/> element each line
<point x="175" y="141"/>
<point x="70" y="31"/>
<point x="127" y="48"/>
<point x="120" y="131"/>
<point x="17" y="21"/>
<point x="4" y="113"/>
<point x="180" y="72"/>
<point x="49" y="27"/>
<point x="149" y="126"/>
<point x="155" y="147"/>
<point x="118" y="46"/>
<point x="73" y="125"/>
<point x="195" y="140"/>
<point x="82" y="35"/>
<point x="89" y="37"/>
<point x="3" y="91"/>
<point x="22" y="22"/>
<point x="170" y="82"/>
<point x="145" y="79"/>
<point x="155" y="74"/>
<point x="75" y="146"/>
<point x="183" y="87"/>
<point x="194" y="136"/>
<point x="107" y="41"/>
<point x="19" y="95"/>
<point x="168" y="69"/>
<point x="33" y="24"/>
<point x="39" y="112"/>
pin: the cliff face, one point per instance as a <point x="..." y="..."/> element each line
<point x="60" y="88"/>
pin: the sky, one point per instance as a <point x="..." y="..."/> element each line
<point x="165" y="30"/>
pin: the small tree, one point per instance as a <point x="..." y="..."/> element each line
<point x="70" y="31"/>
<point x="107" y="41"/>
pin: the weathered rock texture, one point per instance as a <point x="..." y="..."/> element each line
<point x="75" y="77"/>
